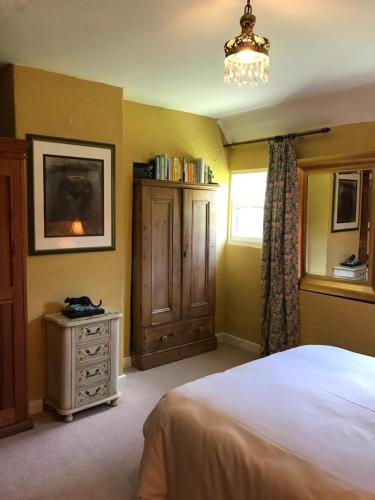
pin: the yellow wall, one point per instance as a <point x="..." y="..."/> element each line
<point x="150" y="131"/>
<point x="319" y="202"/>
<point x="61" y="106"/>
<point x="333" y="326"/>
<point x="243" y="264"/>
<point x="242" y="288"/>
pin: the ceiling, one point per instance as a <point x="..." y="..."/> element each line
<point x="342" y="107"/>
<point x="170" y="53"/>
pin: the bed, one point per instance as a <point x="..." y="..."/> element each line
<point x="295" y="425"/>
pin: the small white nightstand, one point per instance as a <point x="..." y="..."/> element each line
<point x="359" y="273"/>
<point x="81" y="362"/>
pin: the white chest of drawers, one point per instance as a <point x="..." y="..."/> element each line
<point x="81" y="362"/>
<point x="359" y="273"/>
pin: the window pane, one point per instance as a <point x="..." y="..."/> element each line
<point x="247" y="200"/>
<point x="249" y="188"/>
<point x="247" y="222"/>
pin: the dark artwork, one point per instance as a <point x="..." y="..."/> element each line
<point x="73" y="196"/>
<point x="347" y="201"/>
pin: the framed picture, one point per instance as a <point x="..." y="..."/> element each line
<point x="346" y="201"/>
<point x="71" y="194"/>
<point x="143" y="171"/>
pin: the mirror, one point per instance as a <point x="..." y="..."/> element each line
<point x="338" y="223"/>
<point x="336" y="237"/>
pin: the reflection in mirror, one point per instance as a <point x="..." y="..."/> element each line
<point x="338" y="224"/>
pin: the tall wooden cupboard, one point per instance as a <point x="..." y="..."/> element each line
<point x="13" y="380"/>
<point x="173" y="273"/>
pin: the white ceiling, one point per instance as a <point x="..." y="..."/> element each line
<point x="170" y="53"/>
<point x="341" y="107"/>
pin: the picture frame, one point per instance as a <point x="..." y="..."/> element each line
<point x="346" y="201"/>
<point x="71" y="196"/>
<point x="143" y="170"/>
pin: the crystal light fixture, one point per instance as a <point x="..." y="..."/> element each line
<point x="246" y="56"/>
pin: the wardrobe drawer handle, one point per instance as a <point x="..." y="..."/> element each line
<point x="164" y="339"/>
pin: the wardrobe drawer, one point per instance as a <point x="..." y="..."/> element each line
<point x="92" y="352"/>
<point x="164" y="336"/>
<point x="93" y="331"/>
<point x="93" y="372"/>
<point x="87" y="395"/>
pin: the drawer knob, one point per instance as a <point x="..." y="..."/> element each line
<point x="93" y="353"/>
<point x="92" y="374"/>
<point x="91" y="395"/>
<point x="164" y="339"/>
<point x="199" y="330"/>
<point x="92" y="332"/>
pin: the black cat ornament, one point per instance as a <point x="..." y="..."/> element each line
<point x="78" y="307"/>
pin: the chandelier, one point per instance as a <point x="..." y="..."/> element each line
<point x="246" y="56"/>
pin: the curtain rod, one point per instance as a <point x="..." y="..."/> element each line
<point x="280" y="137"/>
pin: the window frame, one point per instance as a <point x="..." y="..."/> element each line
<point x="241" y="240"/>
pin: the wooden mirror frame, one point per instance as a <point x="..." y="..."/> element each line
<point x="349" y="289"/>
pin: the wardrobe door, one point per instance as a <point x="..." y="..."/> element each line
<point x="12" y="320"/>
<point x="161" y="255"/>
<point x="199" y="253"/>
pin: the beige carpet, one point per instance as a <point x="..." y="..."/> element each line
<point x="97" y="455"/>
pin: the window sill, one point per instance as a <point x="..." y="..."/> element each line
<point x="246" y="243"/>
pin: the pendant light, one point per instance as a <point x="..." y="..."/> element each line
<point x="246" y="56"/>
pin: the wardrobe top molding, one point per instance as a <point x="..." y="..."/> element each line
<point x="14" y="148"/>
<point x="171" y="184"/>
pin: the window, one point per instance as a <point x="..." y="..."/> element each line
<point x="247" y="195"/>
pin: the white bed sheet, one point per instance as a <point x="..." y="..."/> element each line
<point x="314" y="405"/>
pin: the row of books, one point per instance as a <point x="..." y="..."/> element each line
<point x="181" y="170"/>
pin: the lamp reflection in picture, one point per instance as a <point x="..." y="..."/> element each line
<point x="77" y="228"/>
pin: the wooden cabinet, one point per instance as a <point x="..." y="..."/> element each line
<point x="81" y="362"/>
<point x="199" y="253"/>
<point x="161" y="255"/>
<point x="173" y="282"/>
<point x="13" y="380"/>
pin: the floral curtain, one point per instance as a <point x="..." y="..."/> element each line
<point x="280" y="308"/>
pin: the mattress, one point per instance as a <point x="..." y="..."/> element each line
<point x="295" y="425"/>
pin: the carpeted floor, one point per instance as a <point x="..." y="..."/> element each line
<point x="97" y="455"/>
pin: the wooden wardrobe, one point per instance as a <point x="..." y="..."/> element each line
<point x="173" y="273"/>
<point x="13" y="380"/>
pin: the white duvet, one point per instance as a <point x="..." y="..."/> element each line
<point x="296" y="425"/>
